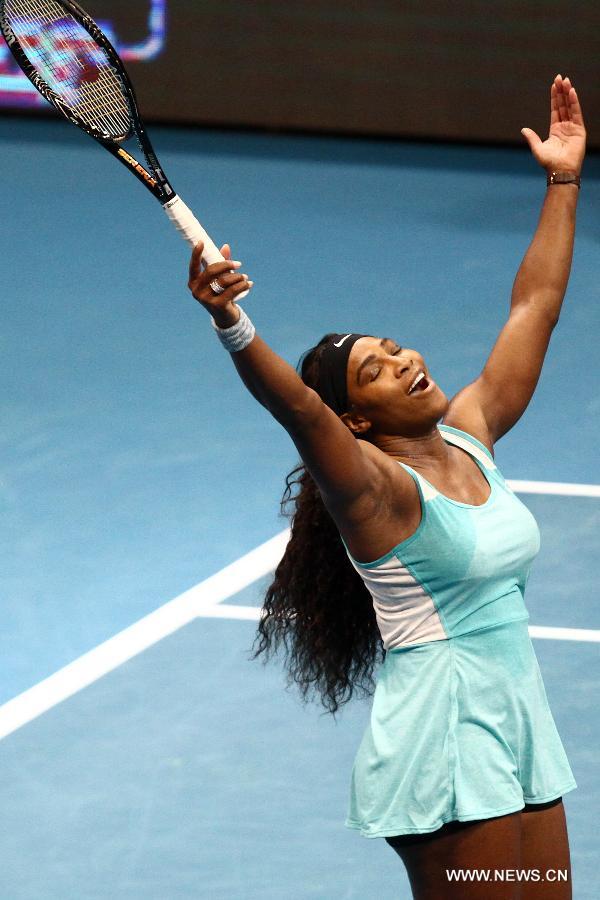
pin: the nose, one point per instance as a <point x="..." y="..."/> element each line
<point x="402" y="367"/>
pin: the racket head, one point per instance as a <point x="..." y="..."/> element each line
<point x="72" y="64"/>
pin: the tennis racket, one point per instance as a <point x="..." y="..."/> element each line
<point x="74" y="66"/>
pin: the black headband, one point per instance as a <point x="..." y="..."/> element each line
<point x="333" y="387"/>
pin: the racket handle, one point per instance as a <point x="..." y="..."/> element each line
<point x="192" y="231"/>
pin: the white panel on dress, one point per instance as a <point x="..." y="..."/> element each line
<point x="429" y="492"/>
<point x="405" y="612"/>
<point x="469" y="447"/>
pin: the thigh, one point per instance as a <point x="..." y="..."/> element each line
<point x="483" y="844"/>
<point x="545" y="847"/>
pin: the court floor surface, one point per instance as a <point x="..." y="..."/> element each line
<point x="143" y="755"/>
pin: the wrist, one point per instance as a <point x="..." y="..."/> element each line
<point x="225" y="318"/>
<point x="236" y="337"/>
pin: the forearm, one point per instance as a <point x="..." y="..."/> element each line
<point x="544" y="273"/>
<point x="274" y="383"/>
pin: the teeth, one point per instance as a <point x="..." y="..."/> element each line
<point x="416" y="381"/>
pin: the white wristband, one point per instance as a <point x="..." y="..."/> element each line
<point x="237" y="336"/>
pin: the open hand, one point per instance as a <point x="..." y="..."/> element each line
<point x="564" y="149"/>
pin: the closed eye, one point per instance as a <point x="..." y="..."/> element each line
<point x="375" y="372"/>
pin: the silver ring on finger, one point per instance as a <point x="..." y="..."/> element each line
<point x="215" y="287"/>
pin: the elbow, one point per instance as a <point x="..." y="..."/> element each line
<point x="550" y="317"/>
<point x="546" y="306"/>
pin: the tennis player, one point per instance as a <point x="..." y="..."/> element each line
<point x="406" y="539"/>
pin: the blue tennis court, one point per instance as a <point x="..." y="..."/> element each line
<point x="143" y="755"/>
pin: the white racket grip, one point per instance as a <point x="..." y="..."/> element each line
<point x="191" y="230"/>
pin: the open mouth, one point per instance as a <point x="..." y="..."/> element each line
<point x="419" y="384"/>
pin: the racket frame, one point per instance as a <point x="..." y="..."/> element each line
<point x="155" y="181"/>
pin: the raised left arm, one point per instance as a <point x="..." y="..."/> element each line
<point x="495" y="401"/>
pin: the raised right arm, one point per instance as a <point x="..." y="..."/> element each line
<point x="345" y="470"/>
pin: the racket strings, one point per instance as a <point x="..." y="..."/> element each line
<point x="72" y="64"/>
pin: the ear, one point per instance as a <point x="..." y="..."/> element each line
<point x="357" y="424"/>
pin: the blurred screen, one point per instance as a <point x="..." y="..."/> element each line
<point x="136" y="30"/>
<point x="470" y="70"/>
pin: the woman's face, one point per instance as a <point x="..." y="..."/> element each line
<point x="381" y="387"/>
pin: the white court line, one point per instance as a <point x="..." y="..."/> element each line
<point x="549" y="632"/>
<point x="142" y="634"/>
<point x="554" y="487"/>
<point x="224" y="611"/>
<point x="202" y="600"/>
<point x="564" y="634"/>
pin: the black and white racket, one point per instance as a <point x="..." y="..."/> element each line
<point x="74" y="66"/>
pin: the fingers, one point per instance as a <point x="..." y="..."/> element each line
<point x="574" y="107"/>
<point x="554" y="115"/>
<point x="237" y="289"/>
<point x="235" y="284"/>
<point x="229" y="279"/>
<point x="561" y="100"/>
<point x="198" y="275"/>
<point x="220" y="268"/>
<point x="196" y="261"/>
<point x="566" y="90"/>
<point x="202" y="287"/>
<point x="233" y="289"/>
<point x="564" y="102"/>
<point x="533" y="139"/>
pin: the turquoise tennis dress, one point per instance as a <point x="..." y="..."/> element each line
<point x="460" y="726"/>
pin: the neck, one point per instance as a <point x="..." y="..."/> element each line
<point x="420" y="449"/>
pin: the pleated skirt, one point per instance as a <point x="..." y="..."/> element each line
<point x="460" y="729"/>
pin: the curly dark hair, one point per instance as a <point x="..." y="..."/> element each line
<point x="317" y="606"/>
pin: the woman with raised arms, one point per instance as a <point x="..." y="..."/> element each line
<point x="407" y="540"/>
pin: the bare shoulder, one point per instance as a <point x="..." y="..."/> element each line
<point x="386" y="465"/>
<point x="466" y="414"/>
<point x="381" y="518"/>
<point x="392" y="488"/>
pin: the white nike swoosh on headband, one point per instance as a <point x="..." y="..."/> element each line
<point x="339" y="343"/>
